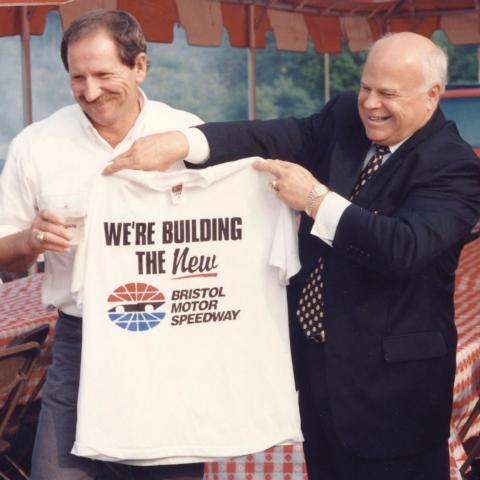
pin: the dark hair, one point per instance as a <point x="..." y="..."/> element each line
<point x="121" y="26"/>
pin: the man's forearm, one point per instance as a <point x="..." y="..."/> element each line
<point x="15" y="254"/>
<point x="280" y="138"/>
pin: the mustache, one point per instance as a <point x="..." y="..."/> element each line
<point x="106" y="97"/>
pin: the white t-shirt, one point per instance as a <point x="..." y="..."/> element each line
<point x="185" y="353"/>
<point x="52" y="163"/>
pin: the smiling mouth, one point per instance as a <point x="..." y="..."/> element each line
<point x="377" y="118"/>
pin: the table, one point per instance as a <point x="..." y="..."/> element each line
<point x="20" y="311"/>
<point x="287" y="462"/>
<point x="467" y="378"/>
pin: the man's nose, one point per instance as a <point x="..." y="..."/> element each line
<point x="91" y="89"/>
<point x="371" y="99"/>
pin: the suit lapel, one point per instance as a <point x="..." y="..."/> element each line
<point x="376" y="184"/>
<point x="373" y="188"/>
<point x="346" y="164"/>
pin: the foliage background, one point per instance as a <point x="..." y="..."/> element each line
<point x="211" y="82"/>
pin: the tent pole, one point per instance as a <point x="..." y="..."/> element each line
<point x="326" y="77"/>
<point x="478" y="64"/>
<point x="26" y="66"/>
<point x="26" y="81"/>
<point x="252" y="68"/>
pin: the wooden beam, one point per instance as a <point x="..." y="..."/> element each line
<point x="398" y="10"/>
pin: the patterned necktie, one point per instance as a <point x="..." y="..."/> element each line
<point x="370" y="168"/>
<point x="310" y="312"/>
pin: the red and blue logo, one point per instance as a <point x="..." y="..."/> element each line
<point x="136" y="307"/>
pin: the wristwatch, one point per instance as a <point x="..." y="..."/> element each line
<point x="318" y="190"/>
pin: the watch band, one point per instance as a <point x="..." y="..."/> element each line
<point x="318" y="190"/>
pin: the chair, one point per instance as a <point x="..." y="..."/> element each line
<point x="474" y="449"/>
<point x="16" y="366"/>
<point x="39" y="335"/>
<point x="10" y="276"/>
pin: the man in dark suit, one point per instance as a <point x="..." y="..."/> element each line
<point x="372" y="313"/>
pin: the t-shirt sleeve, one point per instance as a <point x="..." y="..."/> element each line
<point x="284" y="253"/>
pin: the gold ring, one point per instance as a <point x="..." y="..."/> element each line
<point x="274" y="185"/>
<point x="40" y="236"/>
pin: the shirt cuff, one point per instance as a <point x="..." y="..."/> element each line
<point x="198" y="148"/>
<point x="328" y="216"/>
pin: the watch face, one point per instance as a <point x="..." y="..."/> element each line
<point x="320" y="190"/>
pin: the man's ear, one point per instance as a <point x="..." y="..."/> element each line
<point x="434" y="93"/>
<point x="141" y="66"/>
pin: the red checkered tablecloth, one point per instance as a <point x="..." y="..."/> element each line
<point x="287" y="462"/>
<point x="20" y="311"/>
<point x="278" y="463"/>
<point x="467" y="378"/>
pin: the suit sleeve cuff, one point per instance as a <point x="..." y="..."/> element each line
<point x="328" y="216"/>
<point x="198" y="148"/>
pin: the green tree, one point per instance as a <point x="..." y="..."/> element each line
<point x="288" y="83"/>
<point x="283" y="98"/>
<point x="463" y="65"/>
<point x="210" y="82"/>
<point x="345" y="71"/>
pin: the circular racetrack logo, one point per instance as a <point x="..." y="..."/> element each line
<point x="135" y="307"/>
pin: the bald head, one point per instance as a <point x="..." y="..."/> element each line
<point x="411" y="49"/>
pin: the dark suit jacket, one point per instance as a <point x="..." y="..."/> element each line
<point x="389" y="278"/>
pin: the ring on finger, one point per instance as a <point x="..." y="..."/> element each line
<point x="274" y="184"/>
<point x="40" y="236"/>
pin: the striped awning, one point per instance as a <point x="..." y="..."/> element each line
<point x="328" y="23"/>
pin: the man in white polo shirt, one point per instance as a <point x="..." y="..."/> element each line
<point x="48" y="173"/>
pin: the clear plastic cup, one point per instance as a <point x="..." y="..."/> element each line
<point x="75" y="224"/>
